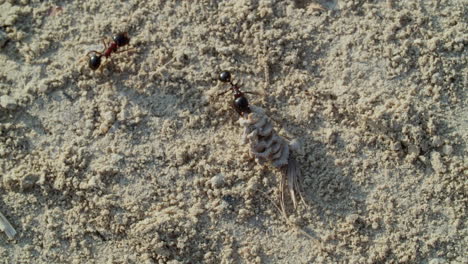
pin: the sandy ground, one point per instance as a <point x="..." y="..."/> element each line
<point x="142" y="162"/>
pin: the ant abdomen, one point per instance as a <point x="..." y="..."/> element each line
<point x="225" y="76"/>
<point x="94" y="62"/>
<point x="121" y="39"/>
<point x="242" y="104"/>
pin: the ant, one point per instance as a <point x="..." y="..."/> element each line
<point x="240" y="104"/>
<point x="118" y="40"/>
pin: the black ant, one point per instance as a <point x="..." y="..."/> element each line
<point x="240" y="104"/>
<point x="119" y="40"/>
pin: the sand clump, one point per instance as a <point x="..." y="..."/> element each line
<point x="142" y="163"/>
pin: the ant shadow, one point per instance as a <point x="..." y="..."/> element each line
<point x="326" y="185"/>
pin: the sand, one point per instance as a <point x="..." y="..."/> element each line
<point x="142" y="162"/>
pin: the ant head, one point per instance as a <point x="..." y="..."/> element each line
<point x="94" y="62"/>
<point x="121" y="39"/>
<point x="225" y="76"/>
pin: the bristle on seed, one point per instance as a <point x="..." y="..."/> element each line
<point x="6" y="227"/>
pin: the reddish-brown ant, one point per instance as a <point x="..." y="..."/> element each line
<point x="119" y="40"/>
<point x="240" y="104"/>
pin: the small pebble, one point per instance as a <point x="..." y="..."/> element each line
<point x="437" y="261"/>
<point x="217" y="181"/>
<point x="8" y="102"/>
<point x="437" y="163"/>
<point x="296" y="145"/>
<point x="396" y="146"/>
<point x="447" y="150"/>
<point x="436" y="141"/>
<point x="413" y="149"/>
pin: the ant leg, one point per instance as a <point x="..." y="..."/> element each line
<point x="83" y="58"/>
<point x="104" y="42"/>
<point x="129" y="49"/>
<point x="93" y="51"/>
<point x="101" y="68"/>
<point x="221" y="93"/>
<point x="105" y="61"/>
